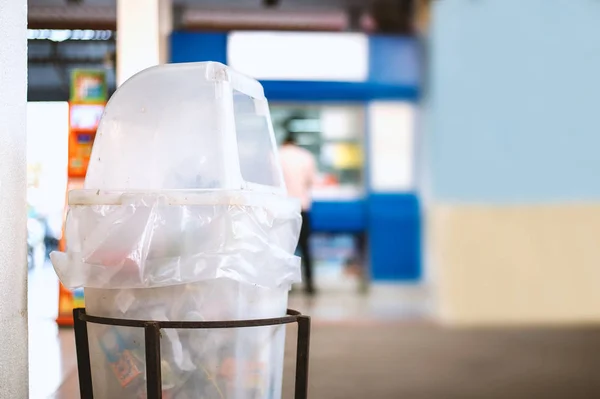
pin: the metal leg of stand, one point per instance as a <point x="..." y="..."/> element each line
<point x="153" y="372"/>
<point x="302" y="358"/>
<point x="84" y="367"/>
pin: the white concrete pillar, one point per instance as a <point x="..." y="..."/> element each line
<point x="13" y="210"/>
<point x="143" y="30"/>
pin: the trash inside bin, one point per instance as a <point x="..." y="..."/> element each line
<point x="184" y="217"/>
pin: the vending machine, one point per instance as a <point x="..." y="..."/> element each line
<point x="86" y="105"/>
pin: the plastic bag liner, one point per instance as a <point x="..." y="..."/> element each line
<point x="144" y="240"/>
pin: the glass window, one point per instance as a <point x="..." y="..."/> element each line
<point x="334" y="134"/>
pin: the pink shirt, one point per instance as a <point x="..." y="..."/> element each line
<point x="299" y="172"/>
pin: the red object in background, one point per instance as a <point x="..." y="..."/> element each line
<point x="65" y="307"/>
<point x="327" y="180"/>
<point x="83" y="123"/>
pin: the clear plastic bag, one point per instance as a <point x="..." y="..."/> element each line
<point x="154" y="240"/>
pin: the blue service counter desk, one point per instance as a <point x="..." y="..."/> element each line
<point x="391" y="226"/>
<point x="390" y="222"/>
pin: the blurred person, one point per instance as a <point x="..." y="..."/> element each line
<point x="299" y="172"/>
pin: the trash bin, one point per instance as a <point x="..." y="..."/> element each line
<point x="184" y="216"/>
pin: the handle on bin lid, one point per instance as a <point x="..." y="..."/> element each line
<point x="239" y="82"/>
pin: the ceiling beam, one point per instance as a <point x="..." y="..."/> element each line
<point x="192" y="18"/>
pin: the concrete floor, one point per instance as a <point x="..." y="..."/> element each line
<point x="379" y="346"/>
<point x="419" y="360"/>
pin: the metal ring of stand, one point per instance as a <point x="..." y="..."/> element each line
<point x="152" y="346"/>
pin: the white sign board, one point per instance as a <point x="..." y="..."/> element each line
<point x="308" y="56"/>
<point x="391" y="146"/>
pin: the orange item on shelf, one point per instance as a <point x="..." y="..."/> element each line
<point x="83" y="123"/>
<point x="67" y="301"/>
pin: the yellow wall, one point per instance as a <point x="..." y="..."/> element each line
<point x="516" y="264"/>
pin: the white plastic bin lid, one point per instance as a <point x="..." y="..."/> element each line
<point x="186" y="126"/>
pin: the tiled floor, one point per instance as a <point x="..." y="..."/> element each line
<point x="381" y="346"/>
<point x="52" y="350"/>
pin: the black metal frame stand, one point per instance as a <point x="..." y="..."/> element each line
<point x="152" y="346"/>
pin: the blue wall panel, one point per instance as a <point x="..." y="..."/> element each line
<point x="339" y="216"/>
<point x="394" y="60"/>
<point x="514" y="115"/>
<point x="196" y="47"/>
<point x="394" y="237"/>
<point x="276" y="90"/>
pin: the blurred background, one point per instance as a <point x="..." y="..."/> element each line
<point x="455" y="216"/>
